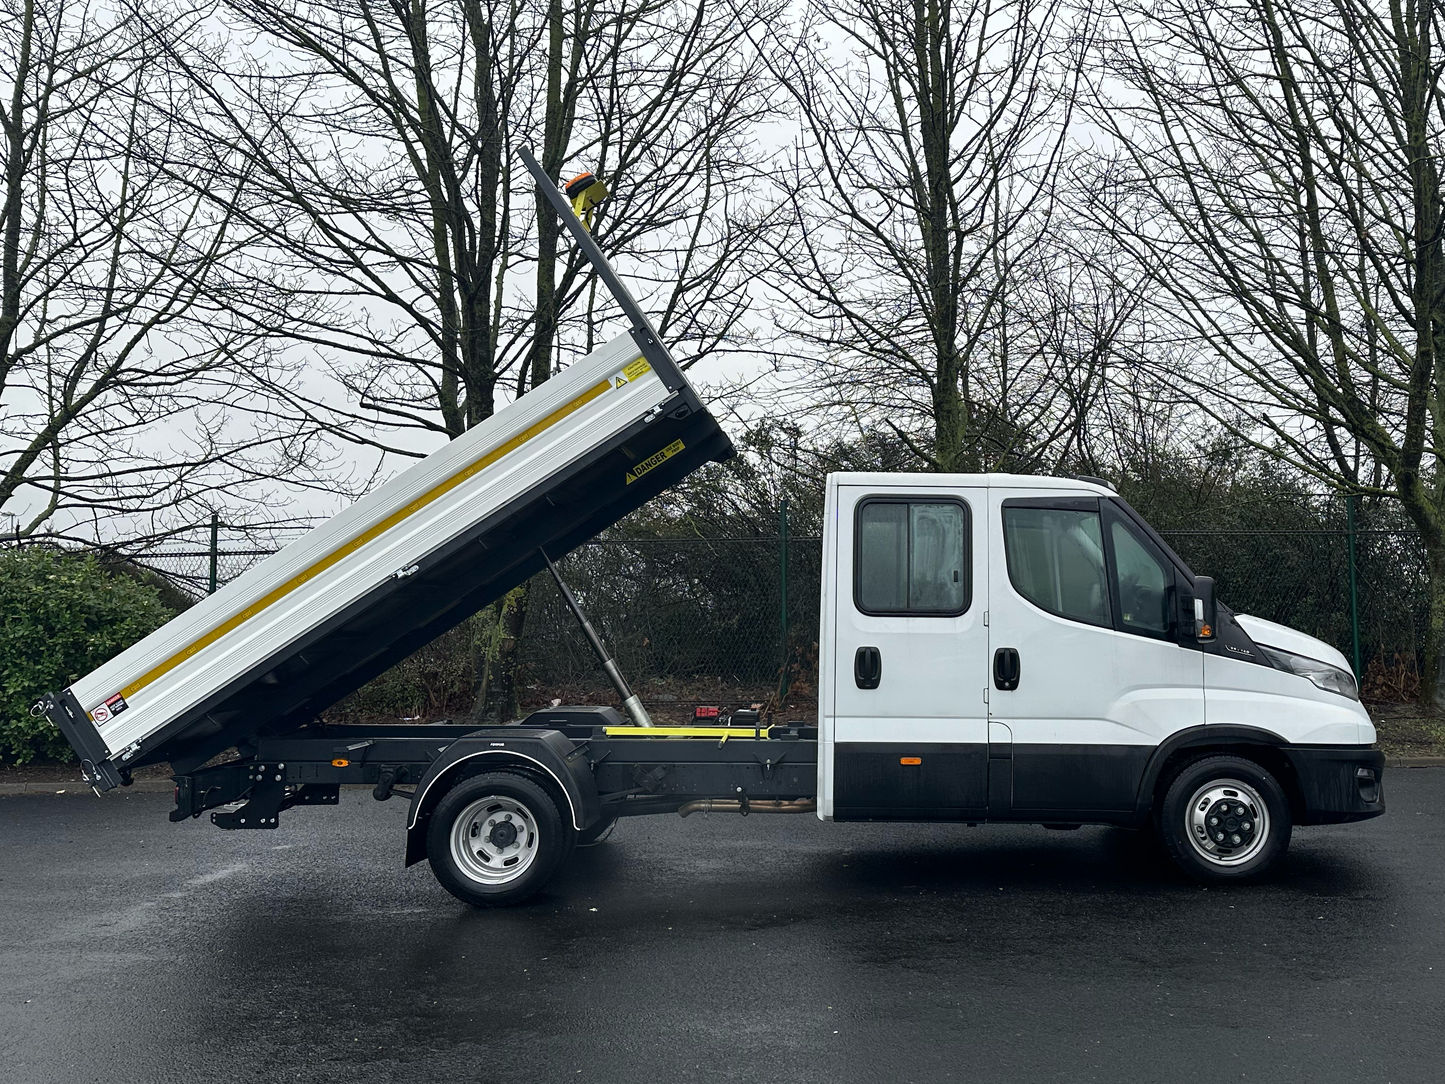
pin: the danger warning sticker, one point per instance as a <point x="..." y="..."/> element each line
<point x="655" y="459"/>
<point x="103" y="713"/>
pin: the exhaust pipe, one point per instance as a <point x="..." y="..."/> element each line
<point x="743" y="806"/>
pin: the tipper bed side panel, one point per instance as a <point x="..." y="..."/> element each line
<point x="476" y="564"/>
<point x="402" y="616"/>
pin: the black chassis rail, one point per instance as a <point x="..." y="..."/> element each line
<point x="598" y="775"/>
<point x="605" y="775"/>
<point x="309" y="768"/>
<point x="643" y="775"/>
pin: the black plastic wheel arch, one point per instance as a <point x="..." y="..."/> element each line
<point x="544" y="753"/>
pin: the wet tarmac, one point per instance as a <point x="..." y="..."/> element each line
<point x="718" y="948"/>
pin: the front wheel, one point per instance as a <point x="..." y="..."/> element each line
<point x="1225" y="820"/>
<point x="497" y="839"/>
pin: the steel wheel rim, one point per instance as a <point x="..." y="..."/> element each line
<point x="486" y="851"/>
<point x="1214" y="812"/>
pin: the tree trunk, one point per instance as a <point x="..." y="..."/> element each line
<point x="554" y="149"/>
<point x="499" y="698"/>
<point x="479" y="344"/>
<point x="503" y="662"/>
<point x="433" y="176"/>
<point x="948" y="424"/>
<point x="1432" y="683"/>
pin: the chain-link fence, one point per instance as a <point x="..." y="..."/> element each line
<point x="682" y="610"/>
<point x="197" y="570"/>
<point x="735" y="619"/>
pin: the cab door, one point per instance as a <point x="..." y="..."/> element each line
<point x="1090" y="673"/>
<point x="910" y="725"/>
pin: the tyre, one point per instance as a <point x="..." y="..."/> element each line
<point x="496" y="839"/>
<point x="598" y="833"/>
<point x="1224" y="820"/>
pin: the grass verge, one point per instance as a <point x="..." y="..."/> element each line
<point x="1409" y="730"/>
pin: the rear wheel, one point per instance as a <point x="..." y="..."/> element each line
<point x="1224" y="820"/>
<point x="496" y="839"/>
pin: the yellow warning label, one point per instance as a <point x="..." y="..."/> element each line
<point x="636" y="369"/>
<point x="653" y="460"/>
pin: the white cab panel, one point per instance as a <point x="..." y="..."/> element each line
<point x="1247" y="694"/>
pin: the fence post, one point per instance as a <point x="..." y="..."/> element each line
<point x="1350" y="500"/>
<point x="215" y="534"/>
<point x="783" y="598"/>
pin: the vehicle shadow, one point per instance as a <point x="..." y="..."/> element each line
<point x="1099" y="859"/>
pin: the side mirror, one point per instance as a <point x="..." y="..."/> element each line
<point x="1206" y="612"/>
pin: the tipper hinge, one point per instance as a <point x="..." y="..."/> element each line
<point x="269" y="797"/>
<point x="268" y="793"/>
<point x="262" y="787"/>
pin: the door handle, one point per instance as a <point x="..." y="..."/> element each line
<point x="1006" y="669"/>
<point x="867" y="668"/>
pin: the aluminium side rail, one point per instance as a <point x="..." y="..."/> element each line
<point x="310" y="624"/>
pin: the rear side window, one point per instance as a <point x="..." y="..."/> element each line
<point x="912" y="557"/>
<point x="1056" y="561"/>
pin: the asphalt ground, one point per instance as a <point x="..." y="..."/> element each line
<point x="773" y="949"/>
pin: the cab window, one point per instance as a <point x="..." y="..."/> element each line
<point x="1056" y="561"/>
<point x="1143" y="583"/>
<point x="912" y="557"/>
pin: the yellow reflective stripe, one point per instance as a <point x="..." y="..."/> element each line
<point x="438" y="490"/>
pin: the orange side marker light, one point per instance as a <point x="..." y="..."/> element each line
<point x="910" y="760"/>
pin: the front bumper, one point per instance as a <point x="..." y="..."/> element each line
<point x="1337" y="783"/>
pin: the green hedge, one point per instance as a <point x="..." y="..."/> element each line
<point x="63" y="615"/>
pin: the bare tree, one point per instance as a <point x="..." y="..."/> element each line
<point x="662" y="97"/>
<point x="1278" y="182"/>
<point x="374" y="146"/>
<point x="127" y="408"/>
<point x="919" y="201"/>
<point x="373" y="149"/>
<point x="364" y="146"/>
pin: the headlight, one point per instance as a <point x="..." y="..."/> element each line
<point x="1330" y="678"/>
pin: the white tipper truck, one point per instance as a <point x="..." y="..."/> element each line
<point x="992" y="648"/>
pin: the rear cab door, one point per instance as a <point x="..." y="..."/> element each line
<point x="904" y="722"/>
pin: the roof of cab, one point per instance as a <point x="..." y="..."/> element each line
<point x="995" y="481"/>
